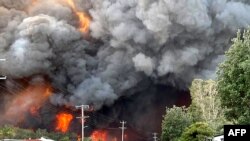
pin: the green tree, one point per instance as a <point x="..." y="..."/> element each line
<point x="65" y="138"/>
<point x="41" y="133"/>
<point x="24" y="134"/>
<point x="7" y="132"/>
<point x="61" y="136"/>
<point x="174" y="123"/>
<point x="11" y="132"/>
<point x="234" y="80"/>
<point x="198" y="131"/>
<point x="206" y="105"/>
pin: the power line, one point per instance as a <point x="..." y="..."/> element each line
<point x="83" y="117"/>
<point x="140" y="133"/>
<point x="155" y="136"/>
<point x="123" y="128"/>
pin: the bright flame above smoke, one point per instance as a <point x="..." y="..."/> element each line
<point x="99" y="135"/>
<point x="84" y="20"/>
<point x="63" y="122"/>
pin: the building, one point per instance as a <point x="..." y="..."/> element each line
<point x="218" y="138"/>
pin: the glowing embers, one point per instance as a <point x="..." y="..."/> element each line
<point x="99" y="135"/>
<point x="84" y="19"/>
<point x="63" y="121"/>
<point x="34" y="111"/>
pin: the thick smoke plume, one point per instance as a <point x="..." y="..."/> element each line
<point x="129" y="44"/>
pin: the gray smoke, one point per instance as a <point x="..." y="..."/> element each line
<point x="169" y="42"/>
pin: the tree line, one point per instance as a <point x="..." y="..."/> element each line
<point x="215" y="103"/>
<point x="11" y="132"/>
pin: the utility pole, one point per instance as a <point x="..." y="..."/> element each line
<point x="3" y="77"/>
<point x="155" y="136"/>
<point x="123" y="128"/>
<point x="83" y="117"/>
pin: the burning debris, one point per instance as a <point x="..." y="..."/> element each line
<point x="99" y="135"/>
<point x="131" y="48"/>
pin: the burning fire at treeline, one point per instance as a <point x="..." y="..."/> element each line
<point x="127" y="59"/>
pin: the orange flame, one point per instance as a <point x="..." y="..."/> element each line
<point x="79" y="138"/>
<point x="114" y="139"/>
<point x="63" y="122"/>
<point x="84" y="19"/>
<point x="34" y="111"/>
<point x="29" y="100"/>
<point x="99" y="135"/>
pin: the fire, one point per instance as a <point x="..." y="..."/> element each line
<point x="63" y="122"/>
<point x="114" y="139"/>
<point x="34" y="110"/>
<point x="99" y="135"/>
<point x="84" y="22"/>
<point x="30" y="100"/>
<point x="79" y="138"/>
<point x="84" y="19"/>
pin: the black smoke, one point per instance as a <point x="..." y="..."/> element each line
<point x="132" y="50"/>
